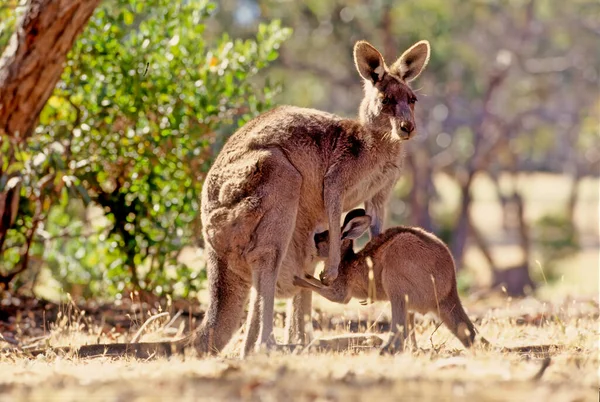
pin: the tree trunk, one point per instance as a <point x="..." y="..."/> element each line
<point x="484" y="246"/>
<point x="461" y="231"/>
<point x="504" y="201"/>
<point x="524" y="238"/>
<point x="573" y="196"/>
<point x="33" y="61"/>
<point x="517" y="280"/>
<point x="421" y="191"/>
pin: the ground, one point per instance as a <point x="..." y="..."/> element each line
<point x="564" y="314"/>
<point x="440" y="369"/>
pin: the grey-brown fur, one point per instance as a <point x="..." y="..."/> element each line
<point x="411" y="268"/>
<point x="289" y="173"/>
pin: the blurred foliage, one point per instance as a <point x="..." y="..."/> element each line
<point x="556" y="238"/>
<point x="445" y="221"/>
<point x="8" y="18"/>
<point x="126" y="139"/>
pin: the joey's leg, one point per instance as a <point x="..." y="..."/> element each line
<point x="228" y="293"/>
<point x="398" y="330"/>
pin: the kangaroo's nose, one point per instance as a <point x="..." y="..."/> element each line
<point x="407" y="127"/>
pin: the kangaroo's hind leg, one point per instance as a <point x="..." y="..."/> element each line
<point x="228" y="293"/>
<point x="269" y="244"/>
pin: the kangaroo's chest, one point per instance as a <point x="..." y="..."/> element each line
<point x="364" y="187"/>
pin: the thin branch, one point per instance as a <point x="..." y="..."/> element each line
<point x="6" y="279"/>
<point x="483" y="245"/>
<point x="139" y="332"/>
<point x="481" y="157"/>
<point x="66" y="234"/>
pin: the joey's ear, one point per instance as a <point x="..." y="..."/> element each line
<point x="353" y="214"/>
<point x="356" y="227"/>
<point x="369" y="62"/>
<point x="413" y="61"/>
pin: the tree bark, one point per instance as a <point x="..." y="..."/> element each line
<point x="573" y="196"/>
<point x="484" y="246"/>
<point x="516" y="279"/>
<point x="33" y="61"/>
<point x="461" y="231"/>
<point x="421" y="191"/>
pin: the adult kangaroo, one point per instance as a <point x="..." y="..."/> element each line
<point x="288" y="174"/>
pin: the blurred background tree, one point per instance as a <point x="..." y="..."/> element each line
<point x="109" y="179"/>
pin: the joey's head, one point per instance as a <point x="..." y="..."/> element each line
<point x="389" y="102"/>
<point x="356" y="223"/>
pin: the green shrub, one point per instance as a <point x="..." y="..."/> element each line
<point x="128" y="136"/>
<point x="556" y="238"/>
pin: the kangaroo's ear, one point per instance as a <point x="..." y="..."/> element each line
<point x="413" y="61"/>
<point x="356" y="227"/>
<point x="369" y="62"/>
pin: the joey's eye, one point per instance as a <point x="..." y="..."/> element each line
<point x="385" y="101"/>
<point x="412" y="100"/>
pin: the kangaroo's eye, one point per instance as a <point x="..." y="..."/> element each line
<point x="385" y="101"/>
<point x="412" y="100"/>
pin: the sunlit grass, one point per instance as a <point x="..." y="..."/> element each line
<point x="439" y="367"/>
<point x="563" y="313"/>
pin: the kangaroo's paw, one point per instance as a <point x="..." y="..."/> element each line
<point x="328" y="276"/>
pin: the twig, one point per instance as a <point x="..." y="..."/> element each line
<point x="545" y="364"/>
<point x="175" y="317"/>
<point x="9" y="340"/>
<point x="374" y="322"/>
<point x="36" y="341"/>
<point x="439" y="324"/>
<point x="534" y="349"/>
<point x="138" y="334"/>
<point x="7" y="279"/>
<point x="431" y="336"/>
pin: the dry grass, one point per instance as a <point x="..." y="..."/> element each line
<point x="440" y="369"/>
